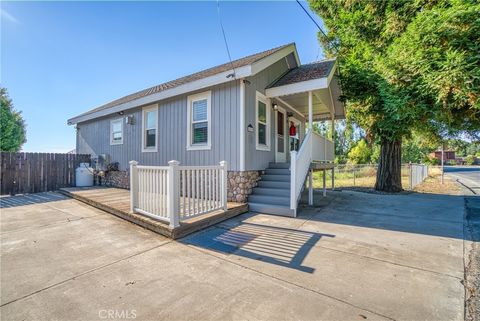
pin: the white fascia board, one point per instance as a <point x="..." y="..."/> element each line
<point x="296" y="88"/>
<point x="273" y="58"/>
<point x="241" y="72"/>
<point x="332" y="72"/>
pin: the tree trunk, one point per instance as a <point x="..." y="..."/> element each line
<point x="389" y="176"/>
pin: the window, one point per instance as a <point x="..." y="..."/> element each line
<point x="116" y="131"/>
<point x="150" y="129"/>
<point x="198" y="120"/>
<point x="262" y="113"/>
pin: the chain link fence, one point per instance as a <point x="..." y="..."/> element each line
<point x="364" y="175"/>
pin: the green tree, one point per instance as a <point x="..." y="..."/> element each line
<point x="404" y="66"/>
<point x="346" y="135"/>
<point x="459" y="146"/>
<point x="417" y="147"/>
<point x="360" y="153"/>
<point x="12" y="125"/>
<point x="470" y="160"/>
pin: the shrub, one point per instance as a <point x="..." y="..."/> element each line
<point x="470" y="160"/>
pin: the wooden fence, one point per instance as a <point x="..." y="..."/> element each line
<point x="37" y="172"/>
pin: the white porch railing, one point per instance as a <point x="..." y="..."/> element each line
<point x="314" y="148"/>
<point x="174" y="193"/>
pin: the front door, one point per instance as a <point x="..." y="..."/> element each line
<point x="294" y="141"/>
<point x="280" y="136"/>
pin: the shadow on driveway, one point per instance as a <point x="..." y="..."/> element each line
<point x="275" y="245"/>
<point x="29" y="199"/>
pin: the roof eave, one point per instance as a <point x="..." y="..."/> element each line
<point x="241" y="72"/>
<point x="302" y="86"/>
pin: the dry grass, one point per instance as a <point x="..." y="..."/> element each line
<point x="433" y="185"/>
<point x="365" y="177"/>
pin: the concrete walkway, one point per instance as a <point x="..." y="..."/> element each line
<point x="354" y="256"/>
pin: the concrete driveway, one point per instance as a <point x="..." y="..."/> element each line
<point x="354" y="256"/>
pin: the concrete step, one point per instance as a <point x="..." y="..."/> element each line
<point x="274" y="184"/>
<point x="277" y="171"/>
<point x="271" y="209"/>
<point x="271" y="191"/>
<point x="279" y="165"/>
<point x="269" y="199"/>
<point x="277" y="178"/>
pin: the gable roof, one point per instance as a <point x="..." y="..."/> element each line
<point x="220" y="70"/>
<point x="314" y="70"/>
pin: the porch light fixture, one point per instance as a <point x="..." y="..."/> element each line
<point x="275" y="106"/>
<point x="250" y="128"/>
<point x="120" y="113"/>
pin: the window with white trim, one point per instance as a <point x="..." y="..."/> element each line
<point x="198" y="119"/>
<point x="116" y="131"/>
<point x="262" y="116"/>
<point x="150" y="129"/>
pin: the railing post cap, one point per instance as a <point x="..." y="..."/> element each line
<point x="173" y="163"/>
<point x="132" y="162"/>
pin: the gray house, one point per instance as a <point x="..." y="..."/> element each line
<point x="253" y="113"/>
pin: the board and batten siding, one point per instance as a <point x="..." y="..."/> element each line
<point x="93" y="137"/>
<point x="259" y="159"/>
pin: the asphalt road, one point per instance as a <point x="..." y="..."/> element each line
<point x="468" y="176"/>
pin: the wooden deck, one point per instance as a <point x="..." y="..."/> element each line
<point x="322" y="165"/>
<point x="117" y="201"/>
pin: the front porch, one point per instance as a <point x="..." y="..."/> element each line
<point x="116" y="201"/>
<point x="312" y="91"/>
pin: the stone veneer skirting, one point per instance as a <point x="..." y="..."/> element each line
<point x="119" y="179"/>
<point x="239" y="184"/>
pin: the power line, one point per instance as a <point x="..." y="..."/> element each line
<point x="315" y="22"/>
<point x="311" y="18"/>
<point x="225" y="39"/>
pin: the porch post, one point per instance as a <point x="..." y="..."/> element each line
<point x="332" y="133"/>
<point x="223" y="185"/>
<point x="310" y="187"/>
<point x="324" y="182"/>
<point x="133" y="185"/>
<point x="310" y="110"/>
<point x="173" y="194"/>
<point x="333" y="177"/>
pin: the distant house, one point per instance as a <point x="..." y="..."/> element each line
<point x="448" y="156"/>
<point x="252" y="113"/>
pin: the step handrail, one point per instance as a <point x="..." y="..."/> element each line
<point x="314" y="147"/>
<point x="299" y="165"/>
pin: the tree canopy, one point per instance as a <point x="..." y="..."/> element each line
<point x="12" y="125"/>
<point x="405" y="66"/>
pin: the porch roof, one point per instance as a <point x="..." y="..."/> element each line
<point x="319" y="78"/>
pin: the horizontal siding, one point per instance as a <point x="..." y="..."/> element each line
<point x="93" y="136"/>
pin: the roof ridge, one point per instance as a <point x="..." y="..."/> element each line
<point x="184" y="79"/>
<point x="319" y="61"/>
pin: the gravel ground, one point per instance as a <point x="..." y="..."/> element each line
<point x="472" y="270"/>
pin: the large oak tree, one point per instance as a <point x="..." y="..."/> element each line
<point x="405" y="65"/>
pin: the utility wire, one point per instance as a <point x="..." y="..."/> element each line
<point x="225" y="39"/>
<point x="315" y="22"/>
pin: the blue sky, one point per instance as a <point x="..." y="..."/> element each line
<point x="59" y="59"/>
